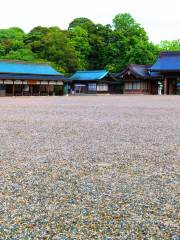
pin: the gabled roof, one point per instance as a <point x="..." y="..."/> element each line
<point x="19" y="67"/>
<point x="139" y="71"/>
<point x="89" y="75"/>
<point x="167" y="62"/>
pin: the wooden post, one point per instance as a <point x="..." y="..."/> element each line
<point x="22" y="87"/>
<point x="31" y="89"/>
<point x="147" y="88"/>
<point x="13" y="89"/>
<point x="150" y="87"/>
<point x="171" y="87"/>
<point x="175" y="86"/>
<point x="39" y="89"/>
<point x="165" y="86"/>
<point x="48" y="88"/>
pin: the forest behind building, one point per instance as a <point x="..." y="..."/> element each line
<point x="85" y="45"/>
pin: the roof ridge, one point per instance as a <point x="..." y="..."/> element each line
<point x="141" y="65"/>
<point x="92" y="70"/>
<point x="170" y="53"/>
<point x="22" y="62"/>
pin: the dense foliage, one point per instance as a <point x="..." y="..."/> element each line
<point x="84" y="45"/>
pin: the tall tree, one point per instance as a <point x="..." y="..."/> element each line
<point x="99" y="41"/>
<point x="60" y="50"/>
<point x="11" y="39"/>
<point x="80" y="41"/>
<point x="34" y="40"/>
<point x="53" y="45"/>
<point x="84" y="23"/>
<point x="133" y="42"/>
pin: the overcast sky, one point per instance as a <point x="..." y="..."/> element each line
<point x="160" y="18"/>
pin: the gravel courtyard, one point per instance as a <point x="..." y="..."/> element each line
<point x="92" y="167"/>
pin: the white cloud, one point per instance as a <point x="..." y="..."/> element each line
<point x="160" y="18"/>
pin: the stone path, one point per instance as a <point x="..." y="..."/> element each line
<point x="92" y="167"/>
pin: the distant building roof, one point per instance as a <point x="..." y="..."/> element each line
<point x="89" y="75"/>
<point x="167" y="62"/>
<point x="139" y="71"/>
<point x="19" y="67"/>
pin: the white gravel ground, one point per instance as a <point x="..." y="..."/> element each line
<point x="93" y="167"/>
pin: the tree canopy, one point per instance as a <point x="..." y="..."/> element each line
<point x="170" y="45"/>
<point x="85" y="45"/>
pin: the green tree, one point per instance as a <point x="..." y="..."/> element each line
<point x="132" y="44"/>
<point x="84" y="23"/>
<point x="11" y="39"/>
<point x="85" y="45"/>
<point x="142" y="53"/>
<point x="34" y="40"/>
<point x="90" y="39"/>
<point x="100" y="40"/>
<point x="21" y="54"/>
<point x="53" y="45"/>
<point x="80" y="41"/>
<point x="170" y="45"/>
<point x="127" y="26"/>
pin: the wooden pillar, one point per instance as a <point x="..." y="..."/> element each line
<point x="171" y="87"/>
<point x="31" y="89"/>
<point x="175" y="87"/>
<point x="48" y="88"/>
<point x="150" y="87"/>
<point x="39" y="89"/>
<point x="147" y="87"/>
<point x="4" y="87"/>
<point x="13" y="89"/>
<point x="22" y="86"/>
<point x="153" y="91"/>
<point x="165" y="86"/>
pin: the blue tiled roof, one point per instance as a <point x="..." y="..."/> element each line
<point x="26" y="68"/>
<point x="167" y="61"/>
<point x="89" y="75"/>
